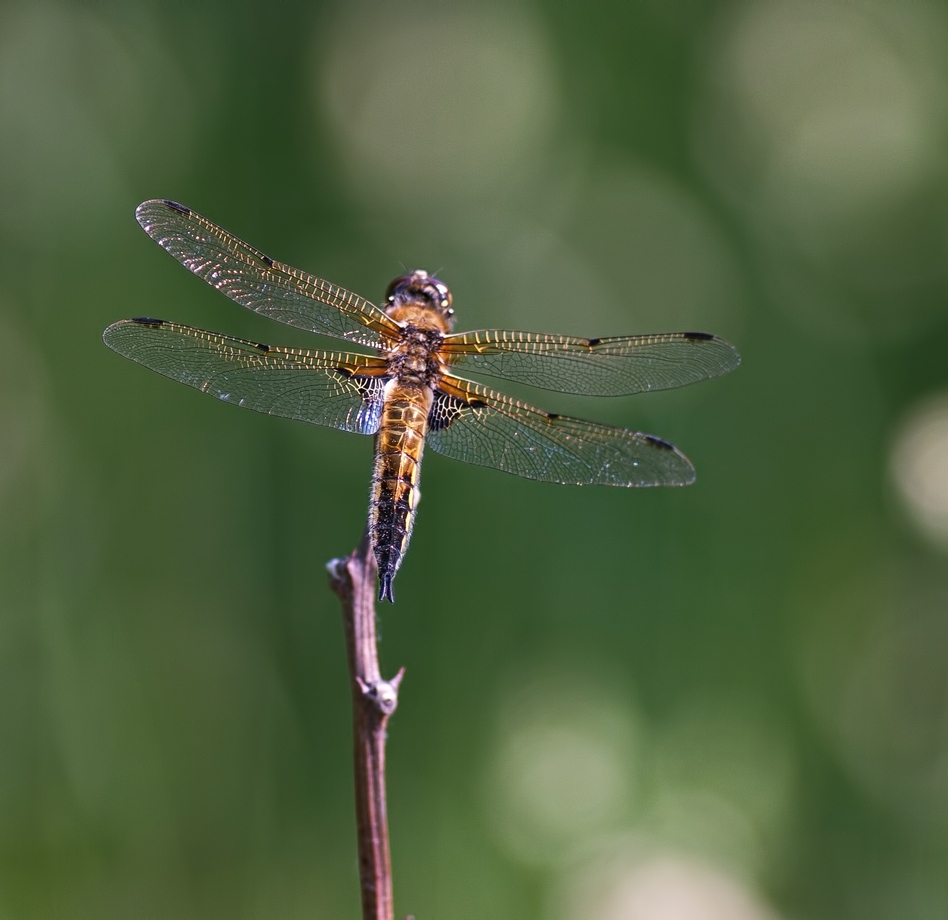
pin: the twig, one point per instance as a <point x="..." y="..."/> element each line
<point x="373" y="701"/>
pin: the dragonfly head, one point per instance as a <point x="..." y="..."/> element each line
<point x="418" y="288"/>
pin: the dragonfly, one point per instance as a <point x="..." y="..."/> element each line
<point x="404" y="388"/>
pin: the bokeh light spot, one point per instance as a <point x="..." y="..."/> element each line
<point x="632" y="883"/>
<point x="77" y="94"/>
<point x="843" y="121"/>
<point x="824" y="125"/>
<point x="723" y="780"/>
<point x="875" y="666"/>
<point x="565" y="767"/>
<point x="434" y="99"/>
<point x="919" y="465"/>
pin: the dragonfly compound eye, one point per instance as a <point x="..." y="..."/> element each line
<point x="419" y="285"/>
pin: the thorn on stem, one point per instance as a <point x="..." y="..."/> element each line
<point x="383" y="693"/>
<point x="336" y="569"/>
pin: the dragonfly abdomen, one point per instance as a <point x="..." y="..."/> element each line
<point x="394" y="501"/>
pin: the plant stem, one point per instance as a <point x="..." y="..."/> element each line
<point x="373" y="701"/>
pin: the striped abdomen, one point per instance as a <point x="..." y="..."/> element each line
<point x="394" y="499"/>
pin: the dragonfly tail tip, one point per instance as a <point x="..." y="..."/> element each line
<point x="385" y="589"/>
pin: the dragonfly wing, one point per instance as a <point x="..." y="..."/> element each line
<point x="326" y="388"/>
<point x="472" y="423"/>
<point x="260" y="283"/>
<point x="593" y="367"/>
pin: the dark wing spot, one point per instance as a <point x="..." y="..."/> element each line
<point x="658" y="442"/>
<point x="698" y="336"/>
<point x="177" y="207"/>
<point x="592" y="343"/>
<point x="267" y="260"/>
<point x="147" y="321"/>
<point x="261" y="346"/>
<point x="370" y="388"/>
<point x="447" y="408"/>
<point x="444" y="410"/>
<point x="552" y="416"/>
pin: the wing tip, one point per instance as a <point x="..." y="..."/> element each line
<point x="147" y="210"/>
<point x="734" y="353"/>
<point x="724" y="344"/>
<point x="683" y="474"/>
<point x="113" y="335"/>
<point x="689" y="475"/>
<point x="110" y="332"/>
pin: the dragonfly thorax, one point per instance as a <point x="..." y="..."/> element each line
<point x="416" y="359"/>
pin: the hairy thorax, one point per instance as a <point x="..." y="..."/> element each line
<point x="416" y="359"/>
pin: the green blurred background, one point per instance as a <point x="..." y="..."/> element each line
<point x="727" y="702"/>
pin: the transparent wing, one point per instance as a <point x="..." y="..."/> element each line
<point x="259" y="283"/>
<point x="593" y="367"/>
<point x="326" y="388"/>
<point x="472" y="423"/>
